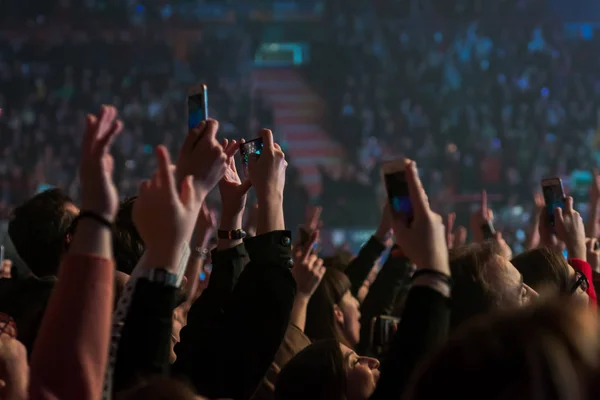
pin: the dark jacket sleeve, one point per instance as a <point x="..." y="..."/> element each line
<point x="229" y="357"/>
<point x="382" y="295"/>
<point x="359" y="268"/>
<point x="227" y="266"/>
<point x="145" y="339"/>
<point x="423" y="327"/>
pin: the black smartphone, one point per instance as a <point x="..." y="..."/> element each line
<point x="383" y="331"/>
<point x="488" y="230"/>
<point x="554" y="196"/>
<point x="197" y="105"/>
<point x="249" y="148"/>
<point x="394" y="179"/>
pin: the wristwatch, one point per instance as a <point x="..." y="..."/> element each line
<point x="231" y="235"/>
<point x="161" y="275"/>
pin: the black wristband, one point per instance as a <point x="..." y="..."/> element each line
<point x="440" y="275"/>
<point x="92" y="215"/>
<point x="236" y="234"/>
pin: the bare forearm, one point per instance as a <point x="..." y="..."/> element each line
<point x="92" y="238"/>
<point x="298" y="315"/>
<point x="270" y="216"/>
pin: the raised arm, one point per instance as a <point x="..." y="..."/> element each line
<point x="70" y="355"/>
<point x="425" y="321"/>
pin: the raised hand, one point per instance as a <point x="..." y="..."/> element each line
<point x="202" y="157"/>
<point x="165" y="216"/>
<point x="313" y="218"/>
<point x="481" y="217"/>
<point x="267" y="174"/>
<point x="233" y="190"/>
<point x="98" y="192"/>
<point x="308" y="269"/>
<point x="593" y="254"/>
<point x="424" y="242"/>
<point x="569" y="228"/>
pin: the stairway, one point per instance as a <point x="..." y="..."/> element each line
<point x="298" y="112"/>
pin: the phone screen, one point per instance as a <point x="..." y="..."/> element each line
<point x="397" y="189"/>
<point x="553" y="197"/>
<point x="197" y="108"/>
<point x="252" y="147"/>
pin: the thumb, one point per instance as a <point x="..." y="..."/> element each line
<point x="558" y="214"/>
<point x="187" y="192"/>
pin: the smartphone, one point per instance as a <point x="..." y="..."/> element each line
<point x="394" y="178"/>
<point x="554" y="196"/>
<point x="247" y="149"/>
<point x="383" y="331"/>
<point x="197" y="105"/>
<point x="488" y="230"/>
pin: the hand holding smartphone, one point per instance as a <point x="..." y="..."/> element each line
<point x="197" y="105"/>
<point x="394" y="178"/>
<point x="248" y="149"/>
<point x="554" y="196"/>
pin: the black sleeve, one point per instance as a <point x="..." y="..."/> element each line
<point x="359" y="268"/>
<point x="229" y="358"/>
<point x="382" y="295"/>
<point x="227" y="265"/>
<point x="144" y="347"/>
<point x="423" y="327"/>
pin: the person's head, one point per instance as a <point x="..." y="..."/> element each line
<point x="547" y="271"/>
<point x="128" y="245"/>
<point x="546" y="351"/>
<point x="332" y="311"/>
<point x="484" y="281"/>
<point x="40" y="230"/>
<point x="327" y="370"/>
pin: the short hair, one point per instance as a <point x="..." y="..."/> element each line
<point x="543" y="268"/>
<point x="38" y="229"/>
<point x="472" y="293"/>
<point x="320" y="319"/>
<point x="545" y="351"/>
<point x="315" y="373"/>
<point x="128" y="245"/>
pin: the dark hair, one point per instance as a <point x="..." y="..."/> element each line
<point x="128" y="245"/>
<point x="38" y="229"/>
<point x="543" y="268"/>
<point x="546" y="351"/>
<point x="315" y="373"/>
<point x="472" y="292"/>
<point x="320" y="319"/>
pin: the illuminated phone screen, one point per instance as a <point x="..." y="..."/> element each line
<point x="553" y="197"/>
<point x="252" y="147"/>
<point x="197" y="108"/>
<point x="398" y="195"/>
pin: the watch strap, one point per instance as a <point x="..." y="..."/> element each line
<point x="236" y="234"/>
<point x="161" y="275"/>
